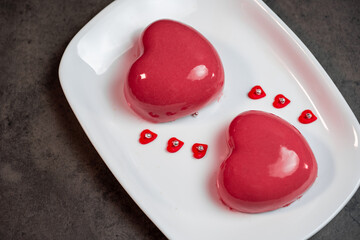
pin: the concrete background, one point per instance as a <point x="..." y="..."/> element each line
<point x="53" y="184"/>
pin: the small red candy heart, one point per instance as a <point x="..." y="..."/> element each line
<point x="256" y="92"/>
<point x="147" y="136"/>
<point x="178" y="73"/>
<point x="270" y="164"/>
<point x="174" y="145"/>
<point x="280" y="101"/>
<point x="307" y="116"/>
<point x="199" y="150"/>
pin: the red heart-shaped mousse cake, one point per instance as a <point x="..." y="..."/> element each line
<point x="178" y="73"/>
<point x="270" y="164"/>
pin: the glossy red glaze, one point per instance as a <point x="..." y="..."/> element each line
<point x="303" y="118"/>
<point x="270" y="164"/>
<point x="178" y="73"/>
<point x="145" y="140"/>
<point x="171" y="147"/>
<point x="253" y="95"/>
<point x="199" y="153"/>
<point x="278" y="104"/>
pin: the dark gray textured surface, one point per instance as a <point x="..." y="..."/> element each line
<point x="53" y="184"/>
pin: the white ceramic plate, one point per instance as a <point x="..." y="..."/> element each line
<point x="176" y="191"/>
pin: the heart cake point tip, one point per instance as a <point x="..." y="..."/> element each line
<point x="178" y="73"/>
<point x="270" y="166"/>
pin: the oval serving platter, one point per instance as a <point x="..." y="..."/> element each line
<point x="176" y="191"/>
